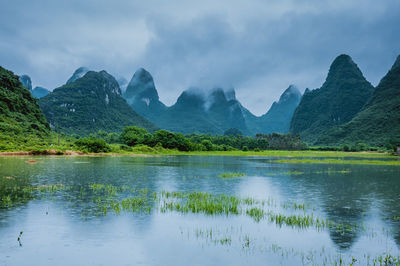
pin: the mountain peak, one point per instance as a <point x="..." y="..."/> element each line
<point x="396" y="63"/>
<point x="80" y="72"/>
<point x="342" y="61"/>
<point x="292" y="92"/>
<point x="191" y="98"/>
<point x="343" y="94"/>
<point x="94" y="102"/>
<point x="343" y="69"/>
<point x="141" y="86"/>
<point x="26" y="81"/>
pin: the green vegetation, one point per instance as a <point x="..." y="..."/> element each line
<point x="133" y="137"/>
<point x="21" y="119"/>
<point x="340" y="98"/>
<point x="195" y="112"/>
<point x="14" y="191"/>
<point x="105" y="199"/>
<point x="231" y="175"/>
<point x="218" y="112"/>
<point x="92" y="145"/>
<point x="378" y="122"/>
<point x="339" y="161"/>
<point x="90" y="104"/>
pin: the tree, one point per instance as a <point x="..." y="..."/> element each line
<point x="132" y="136"/>
<point x="171" y="140"/>
<point x="233" y="132"/>
<point x="93" y="145"/>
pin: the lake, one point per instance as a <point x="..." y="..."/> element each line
<point x="118" y="211"/>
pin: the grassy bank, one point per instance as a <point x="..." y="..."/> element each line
<point x="302" y="155"/>
<point x="280" y="153"/>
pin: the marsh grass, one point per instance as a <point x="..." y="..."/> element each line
<point x="102" y="199"/>
<point x="231" y="175"/>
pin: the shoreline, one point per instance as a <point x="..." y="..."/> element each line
<point x="266" y="153"/>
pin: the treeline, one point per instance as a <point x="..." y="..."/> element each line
<point x="138" y="138"/>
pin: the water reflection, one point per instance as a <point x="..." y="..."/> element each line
<point x="345" y="194"/>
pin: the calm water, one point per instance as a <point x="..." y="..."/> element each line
<point x="55" y="232"/>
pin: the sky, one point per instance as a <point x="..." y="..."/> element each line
<point x="256" y="47"/>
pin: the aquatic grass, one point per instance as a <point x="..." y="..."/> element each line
<point x="256" y="213"/>
<point x="231" y="175"/>
<point x="201" y="202"/>
<point x="294" y="206"/>
<point x="331" y="171"/>
<point x="100" y="200"/>
<point x="387" y="259"/>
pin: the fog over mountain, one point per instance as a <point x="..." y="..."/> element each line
<point x="256" y="47"/>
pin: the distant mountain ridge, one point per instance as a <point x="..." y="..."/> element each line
<point x="341" y="97"/>
<point x="88" y="104"/>
<point x="199" y="112"/>
<point x="211" y="112"/>
<point x="277" y="118"/>
<point x="39" y="92"/>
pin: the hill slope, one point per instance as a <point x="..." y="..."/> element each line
<point x="20" y="114"/>
<point x="278" y="117"/>
<point x="379" y="120"/>
<point x="88" y="104"/>
<point x="340" y="98"/>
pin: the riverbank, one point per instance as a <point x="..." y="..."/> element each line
<point x="266" y="153"/>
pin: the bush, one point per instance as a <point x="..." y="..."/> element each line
<point x="93" y="145"/>
<point x="207" y="144"/>
<point x="142" y="148"/>
<point x="245" y="148"/>
<point x="171" y="140"/>
<point x="125" y="147"/>
<point x="132" y="136"/>
<point x="345" y="147"/>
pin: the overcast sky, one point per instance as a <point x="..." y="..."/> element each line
<point x="257" y="47"/>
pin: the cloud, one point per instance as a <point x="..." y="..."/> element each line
<point x="257" y="47"/>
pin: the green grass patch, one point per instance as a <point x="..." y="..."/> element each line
<point x="231" y="175"/>
<point x="338" y="161"/>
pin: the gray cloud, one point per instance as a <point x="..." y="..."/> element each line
<point x="257" y="47"/>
